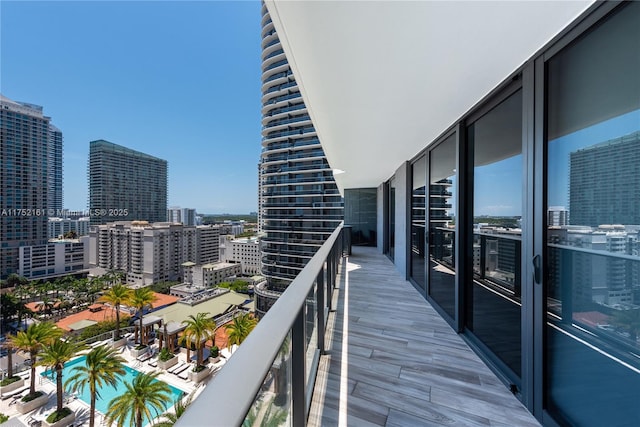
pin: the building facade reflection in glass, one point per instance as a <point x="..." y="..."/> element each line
<point x="593" y="257"/>
<point x="442" y="218"/>
<point x="493" y="311"/>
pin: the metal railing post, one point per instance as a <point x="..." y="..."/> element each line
<point x="298" y="374"/>
<point x="321" y="311"/>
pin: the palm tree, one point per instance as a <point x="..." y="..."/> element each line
<point x="141" y="299"/>
<point x="7" y="344"/>
<point x="179" y="407"/>
<point x="270" y="416"/>
<point x="103" y="365"/>
<point x="240" y="328"/>
<point x="116" y="295"/>
<point x="53" y="356"/>
<point x="46" y="305"/>
<point x="113" y="277"/>
<point x="135" y="403"/>
<point x="33" y="340"/>
<point x="199" y="329"/>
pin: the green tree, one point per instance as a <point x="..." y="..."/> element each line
<point x="118" y="294"/>
<point x="199" y="329"/>
<point x="141" y="299"/>
<point x="33" y="340"/>
<point x="269" y="416"/>
<point x="53" y="356"/>
<point x="179" y="407"/>
<point x="113" y="277"/>
<point x="14" y="280"/>
<point x="103" y="366"/>
<point x="10" y="307"/>
<point x="8" y="345"/>
<point x="238" y="330"/>
<point x="46" y="305"/>
<point x="70" y="235"/>
<point x="139" y="398"/>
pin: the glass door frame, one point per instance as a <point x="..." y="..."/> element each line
<point x="455" y="322"/>
<point x="410" y="184"/>
<point x="535" y="78"/>
<point x="519" y="386"/>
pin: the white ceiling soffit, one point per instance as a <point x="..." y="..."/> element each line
<point x="382" y="79"/>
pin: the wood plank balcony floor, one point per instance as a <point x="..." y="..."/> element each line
<point x="393" y="361"/>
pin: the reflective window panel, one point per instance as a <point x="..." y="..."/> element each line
<point x="493" y="294"/>
<point x="392" y="218"/>
<point x="592" y="362"/>
<point x="442" y="220"/>
<point x="418" y="206"/>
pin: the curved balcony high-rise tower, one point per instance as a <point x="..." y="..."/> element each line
<point x="300" y="203"/>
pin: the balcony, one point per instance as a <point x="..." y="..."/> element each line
<point x="385" y="357"/>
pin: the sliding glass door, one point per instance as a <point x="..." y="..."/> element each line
<point x="493" y="289"/>
<point x="442" y="225"/>
<point x="418" y="207"/>
<point x="592" y="316"/>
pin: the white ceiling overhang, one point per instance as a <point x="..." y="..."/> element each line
<point x="382" y="79"/>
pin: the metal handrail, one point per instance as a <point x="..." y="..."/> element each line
<point x="231" y="393"/>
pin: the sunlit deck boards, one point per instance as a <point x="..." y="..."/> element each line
<point x="395" y="362"/>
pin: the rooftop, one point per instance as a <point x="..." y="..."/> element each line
<point x="214" y="306"/>
<point x="68" y="322"/>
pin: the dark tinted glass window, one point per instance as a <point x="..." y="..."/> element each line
<point x="593" y="226"/>
<point x="493" y="293"/>
<point x="442" y="202"/>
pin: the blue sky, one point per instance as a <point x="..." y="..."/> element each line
<point x="177" y="80"/>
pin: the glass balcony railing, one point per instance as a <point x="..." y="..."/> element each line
<point x="295" y="107"/>
<point x="289" y="340"/>
<point x="271" y="43"/>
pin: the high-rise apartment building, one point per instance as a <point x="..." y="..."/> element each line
<point x="30" y="178"/>
<point x="54" y="168"/>
<point x="300" y="204"/>
<point x="61" y="226"/>
<point x="150" y="253"/>
<point x="185" y="216"/>
<point x="125" y="185"/>
<point x="604" y="183"/>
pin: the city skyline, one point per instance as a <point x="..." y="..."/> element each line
<point x="164" y="83"/>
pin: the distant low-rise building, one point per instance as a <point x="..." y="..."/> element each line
<point x="245" y="251"/>
<point x="232" y="227"/>
<point x="55" y="258"/>
<point x="209" y="275"/>
<point x="60" y="226"/>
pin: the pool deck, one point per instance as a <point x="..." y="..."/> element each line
<point x="81" y="408"/>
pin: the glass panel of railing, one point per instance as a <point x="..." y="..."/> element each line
<point x="311" y="329"/>
<point x="272" y="406"/>
<point x="593" y="324"/>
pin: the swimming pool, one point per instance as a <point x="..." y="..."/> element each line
<point x="107" y="392"/>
